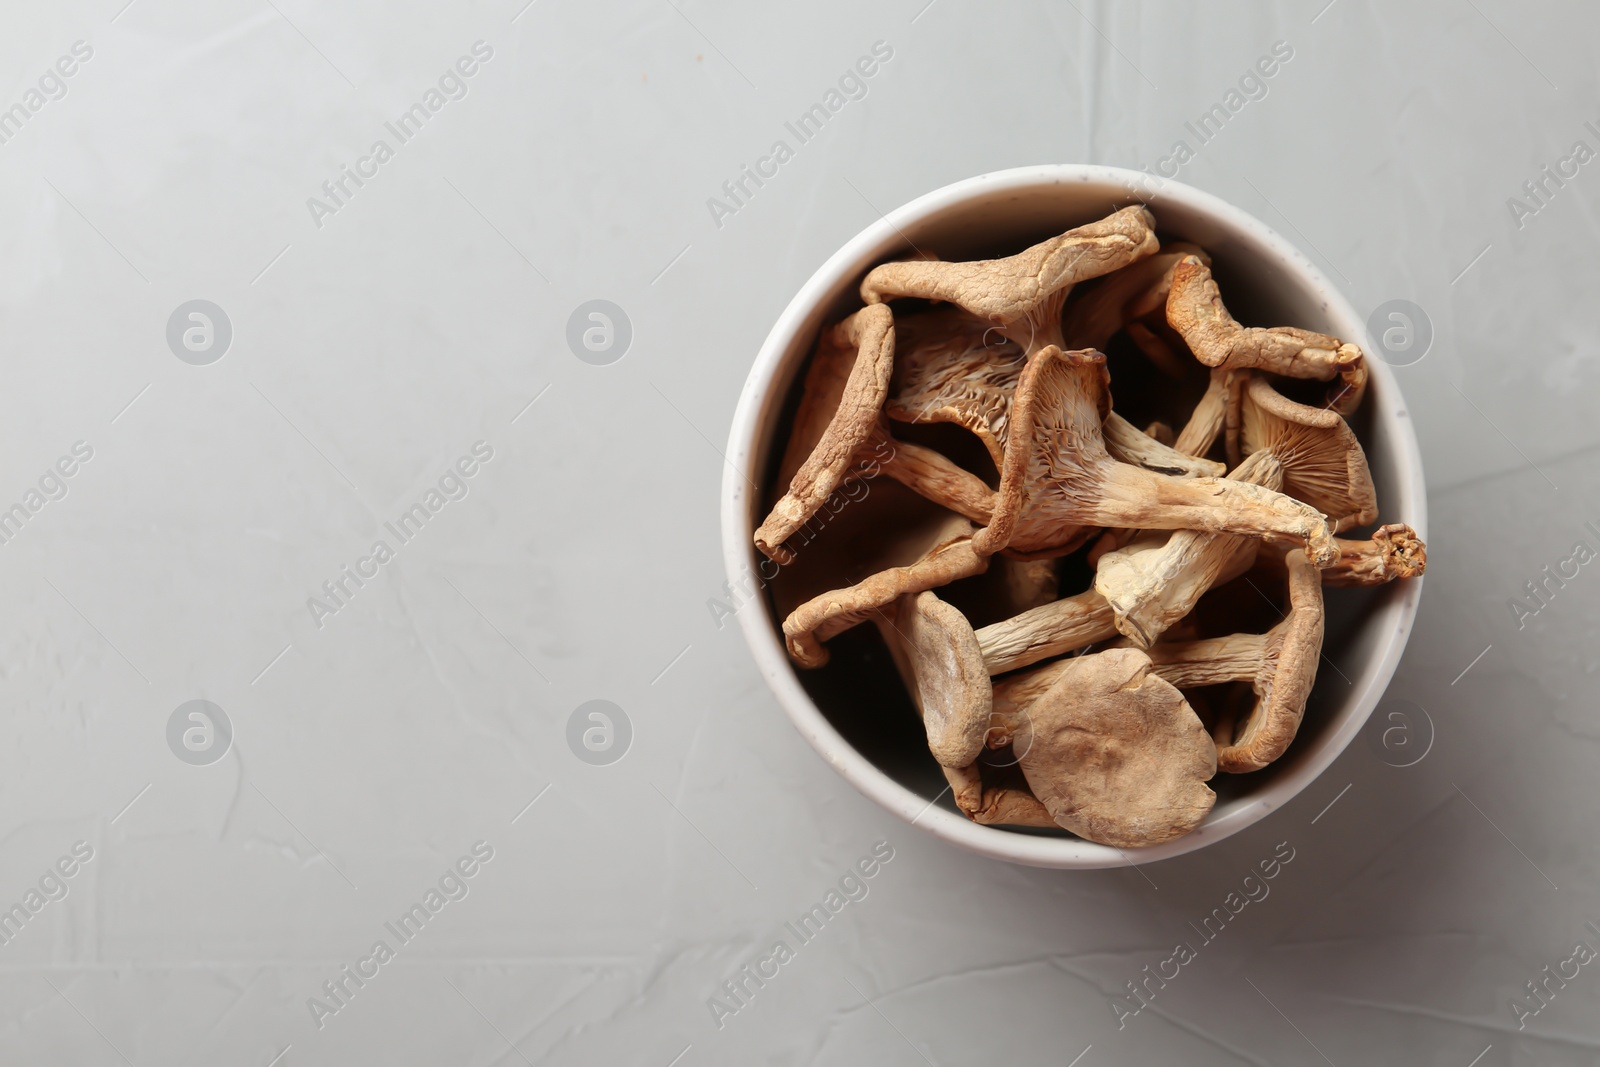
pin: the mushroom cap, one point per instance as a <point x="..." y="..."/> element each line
<point x="1061" y="402"/>
<point x="951" y="684"/>
<point x="1323" y="463"/>
<point x="1115" y="754"/>
<point x="1293" y="649"/>
<point x="1003" y="290"/>
<point x="951" y="367"/>
<point x="855" y="418"/>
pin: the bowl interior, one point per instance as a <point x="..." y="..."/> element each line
<point x="855" y="710"/>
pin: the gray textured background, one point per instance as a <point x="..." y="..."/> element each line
<point x="372" y="351"/>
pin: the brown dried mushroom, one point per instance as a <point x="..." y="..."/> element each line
<point x="921" y="560"/>
<point x="1393" y="553"/>
<point x="1280" y="664"/>
<point x="1196" y="311"/>
<point x="1156" y="579"/>
<point x="1323" y="463"/>
<point x="854" y="416"/>
<point x="836" y="437"/>
<point x="1113" y="752"/>
<point x="1022" y="295"/>
<point x="1058" y="482"/>
<point x="934" y="645"/>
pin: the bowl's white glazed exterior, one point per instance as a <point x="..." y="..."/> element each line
<point x="1029" y="203"/>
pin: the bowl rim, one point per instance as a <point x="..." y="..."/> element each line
<point x="767" y="647"/>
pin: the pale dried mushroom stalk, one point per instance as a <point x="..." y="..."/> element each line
<point x="1124" y="296"/>
<point x="1126" y="444"/>
<point x="1064" y="625"/>
<point x="1196" y="311"/>
<point x="1113" y="752"/>
<point x="1156" y="579"/>
<point x="1218" y="410"/>
<point x="1393" y="553"/>
<point x="1003" y="806"/>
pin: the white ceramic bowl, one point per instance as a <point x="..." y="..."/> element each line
<point x="1278" y="284"/>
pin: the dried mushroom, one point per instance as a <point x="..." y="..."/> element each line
<point x="935" y="645"/>
<point x="854" y="417"/>
<point x="1280" y="665"/>
<point x="931" y="559"/>
<point x="1058" y="481"/>
<point x="1113" y="752"/>
<point x="1196" y="311"/>
<point x="1022" y="295"/>
<point x="1111" y="742"/>
<point x="1323" y="463"/>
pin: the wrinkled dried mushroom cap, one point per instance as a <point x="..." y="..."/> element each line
<point x="950" y="684"/>
<point x="1323" y="464"/>
<point x="1115" y="754"/>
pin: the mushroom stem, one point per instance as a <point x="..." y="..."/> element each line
<point x="1154" y="581"/>
<point x="1126" y="444"/>
<point x="932" y="475"/>
<point x="1394" y="553"/>
<point x="1011" y="807"/>
<point x="1218" y="408"/>
<point x="1121" y="297"/>
<point x="1066" y="625"/>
